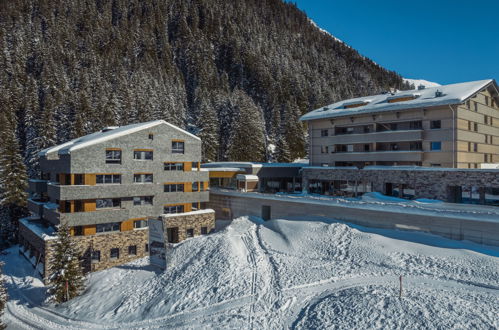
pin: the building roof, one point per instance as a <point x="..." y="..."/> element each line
<point x="428" y="97"/>
<point x="106" y="134"/>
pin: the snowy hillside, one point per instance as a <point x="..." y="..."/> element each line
<point x="281" y="274"/>
<point x="417" y="82"/>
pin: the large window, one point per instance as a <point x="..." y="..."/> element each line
<point x="108" y="203"/>
<point x="139" y="224"/>
<point x="436" y="146"/>
<point x="113" y="156"/>
<point x="107" y="227"/>
<point x="177" y="147"/>
<point x="143" y="154"/>
<point x="108" y="178"/>
<point x="174" y="166"/>
<point x="132" y="250"/>
<point x="143" y="178"/>
<point x="142" y="200"/>
<point x="174" y="187"/>
<point x="173" y="209"/>
<point x="324" y="132"/>
<point x="195" y="186"/>
<point x="435" y="124"/>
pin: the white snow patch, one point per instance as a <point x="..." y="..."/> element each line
<point x="418" y="82"/>
<point x="279" y="274"/>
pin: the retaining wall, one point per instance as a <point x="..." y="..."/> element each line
<point x="232" y="205"/>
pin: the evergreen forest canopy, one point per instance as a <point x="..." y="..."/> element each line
<point x="239" y="74"/>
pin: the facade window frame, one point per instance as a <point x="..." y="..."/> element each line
<point x="143" y="154"/>
<point x="174" y="166"/>
<point x="143" y="178"/>
<point x="172" y="209"/>
<point x="178" y="147"/>
<point x="173" y="187"/>
<point x="436" y="146"/>
<point x="114" y="253"/>
<point x="108" y="179"/>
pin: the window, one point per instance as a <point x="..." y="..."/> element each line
<point x="435" y="165"/>
<point x="113" y="156"/>
<point x="201" y="186"/>
<point x="475" y="147"/>
<point x="147" y="247"/>
<point x="142" y="200"/>
<point x="95" y="256"/>
<point x="174" y="187"/>
<point x="324" y="132"/>
<point x="195" y="186"/>
<point x="486" y="100"/>
<point x="367" y="147"/>
<point x="324" y="149"/>
<point x="143" y="154"/>
<point x="143" y="178"/>
<point x="189" y="233"/>
<point x="475" y="127"/>
<point x="108" y="179"/>
<point x="204" y="230"/>
<point x="107" y="203"/>
<point x="78" y="231"/>
<point x="416" y="146"/>
<point x="107" y="227"/>
<point x="151" y="136"/>
<point x="416" y="124"/>
<point x="78" y="206"/>
<point x="350" y="147"/>
<point x="132" y="250"/>
<point x="174" y="166"/>
<point x="435" y="124"/>
<point x="476" y="106"/>
<point x="168" y="209"/>
<point x="195" y="206"/>
<point x="177" y="147"/>
<point x="468" y="104"/>
<point x="115" y="253"/>
<point x="139" y="224"/>
<point x="436" y="146"/>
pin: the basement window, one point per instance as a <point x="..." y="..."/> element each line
<point x="132" y="250"/>
<point x="115" y="253"/>
<point x="95" y="256"/>
<point x="189" y="233"/>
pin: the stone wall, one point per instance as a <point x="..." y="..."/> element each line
<point x="190" y="220"/>
<point x="99" y="242"/>
<point x="428" y="183"/>
<point x="230" y="205"/>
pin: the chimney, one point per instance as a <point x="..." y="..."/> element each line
<point x="438" y="93"/>
<point x="421" y="87"/>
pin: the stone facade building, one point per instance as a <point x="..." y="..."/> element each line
<point x="476" y="186"/>
<point x="107" y="184"/>
<point x="454" y="126"/>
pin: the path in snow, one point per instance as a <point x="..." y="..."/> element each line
<point x="278" y="274"/>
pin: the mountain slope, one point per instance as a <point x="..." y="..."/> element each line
<point x="210" y="66"/>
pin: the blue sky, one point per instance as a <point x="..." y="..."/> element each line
<point x="441" y="40"/>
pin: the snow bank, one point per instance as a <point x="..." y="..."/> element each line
<point x="280" y="274"/>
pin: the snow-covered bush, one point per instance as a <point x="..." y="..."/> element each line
<point x="67" y="279"/>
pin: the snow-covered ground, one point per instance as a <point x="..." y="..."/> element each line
<point x="280" y="274"/>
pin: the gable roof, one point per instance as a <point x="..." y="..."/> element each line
<point x="428" y="97"/>
<point x="105" y="135"/>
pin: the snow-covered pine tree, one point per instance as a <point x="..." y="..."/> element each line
<point x="3" y="297"/>
<point x="13" y="180"/>
<point x="67" y="279"/>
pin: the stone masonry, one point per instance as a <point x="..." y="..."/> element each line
<point x="190" y="220"/>
<point x="428" y="182"/>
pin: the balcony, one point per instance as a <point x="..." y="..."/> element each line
<point x="372" y="156"/>
<point x="62" y="192"/>
<point x="36" y="206"/>
<point x="37" y="186"/>
<point x="387" y="136"/>
<point x="86" y="218"/>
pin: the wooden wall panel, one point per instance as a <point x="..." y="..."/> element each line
<point x="127" y="225"/>
<point x="187" y="166"/>
<point x="89" y="205"/>
<point x="89" y="230"/>
<point x="89" y="179"/>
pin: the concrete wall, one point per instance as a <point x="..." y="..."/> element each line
<point x="230" y="206"/>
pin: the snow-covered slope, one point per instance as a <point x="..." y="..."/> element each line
<point x="280" y="274"/>
<point x="425" y="83"/>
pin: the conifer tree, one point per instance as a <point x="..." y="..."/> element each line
<point x="13" y="180"/>
<point x="66" y="277"/>
<point x="3" y="297"/>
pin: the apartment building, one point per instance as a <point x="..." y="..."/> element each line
<point x="454" y="126"/>
<point x="107" y="184"/>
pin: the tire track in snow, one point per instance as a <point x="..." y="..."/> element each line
<point x="252" y="262"/>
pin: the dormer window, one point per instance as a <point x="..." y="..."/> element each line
<point x="402" y="98"/>
<point x="355" y="104"/>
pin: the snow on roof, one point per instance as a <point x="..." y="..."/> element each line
<point x="450" y="94"/>
<point x="33" y="224"/>
<point x="247" y="177"/>
<point x="173" y="215"/>
<point x="105" y="135"/>
<point x="418" y="82"/>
